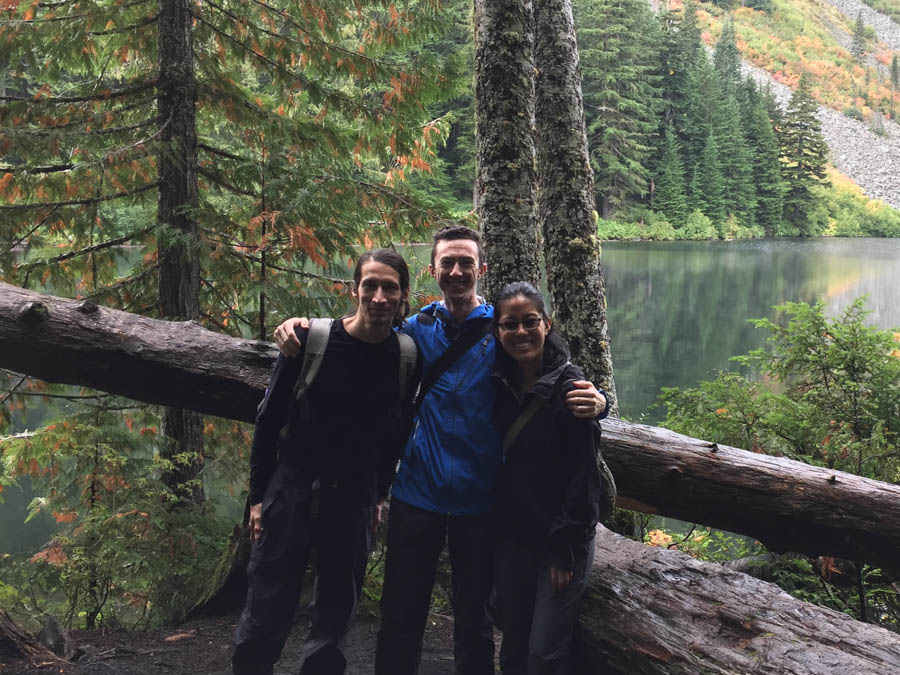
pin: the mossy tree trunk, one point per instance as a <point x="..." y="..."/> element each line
<point x="504" y="98"/>
<point x="565" y="202"/>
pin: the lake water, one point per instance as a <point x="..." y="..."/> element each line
<point x="678" y="310"/>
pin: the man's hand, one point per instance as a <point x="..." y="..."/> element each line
<point x="286" y="338"/>
<point x="584" y="402"/>
<point x="255" y="523"/>
<point x="559" y="578"/>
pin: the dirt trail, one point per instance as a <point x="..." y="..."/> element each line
<point x="204" y="647"/>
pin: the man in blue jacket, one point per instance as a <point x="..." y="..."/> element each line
<point x="444" y="490"/>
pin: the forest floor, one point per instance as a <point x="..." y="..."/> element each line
<point x="204" y="646"/>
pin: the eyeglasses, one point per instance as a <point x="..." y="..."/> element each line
<point x="528" y="323"/>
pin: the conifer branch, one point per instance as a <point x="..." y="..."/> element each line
<point x="34" y="229"/>
<point x="48" y="131"/>
<point x="225" y="184"/>
<point x="116" y="287"/>
<point x="109" y="243"/>
<point x="109" y="94"/>
<point x="72" y="17"/>
<point x="10" y="392"/>
<point x="284" y="70"/>
<point x="356" y="55"/>
<point x="127" y="29"/>
<point x="80" y="202"/>
<point x="224" y="302"/>
<point x="227" y="155"/>
<point x="55" y="168"/>
<point x="290" y="270"/>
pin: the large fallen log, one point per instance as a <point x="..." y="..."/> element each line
<point x="650" y="610"/>
<point x="786" y="504"/>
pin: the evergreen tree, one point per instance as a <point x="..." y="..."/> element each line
<point x="727" y="59"/>
<point x="759" y="5"/>
<point x="858" y="43"/>
<point x="669" y="198"/>
<point x="766" y="166"/>
<point x="708" y="186"/>
<point x="804" y="155"/>
<point x="702" y="111"/>
<point x="736" y="160"/>
<point x="895" y="82"/>
<point x="618" y="42"/>
<point x="682" y="44"/>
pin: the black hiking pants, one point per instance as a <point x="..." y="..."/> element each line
<point x="415" y="540"/>
<point x="342" y="537"/>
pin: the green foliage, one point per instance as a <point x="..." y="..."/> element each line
<point x="669" y="198"/>
<point x="803" y="154"/>
<point x="858" y="44"/>
<point x="704" y="543"/>
<point x="838" y="390"/>
<point x="698" y="226"/>
<point x="123" y="556"/>
<point x="618" y="43"/>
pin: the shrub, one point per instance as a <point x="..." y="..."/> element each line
<point x="697" y="227"/>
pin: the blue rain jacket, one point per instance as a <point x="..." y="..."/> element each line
<point x="454" y="453"/>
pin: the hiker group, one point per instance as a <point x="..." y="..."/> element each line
<point x="495" y="433"/>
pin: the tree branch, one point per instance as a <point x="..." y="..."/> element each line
<point x="81" y="202"/>
<point x="88" y="249"/>
<point x="225" y="184"/>
<point x="82" y="99"/>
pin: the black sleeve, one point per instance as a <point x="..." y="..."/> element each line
<point x="578" y="509"/>
<point x="398" y="434"/>
<point x="271" y="416"/>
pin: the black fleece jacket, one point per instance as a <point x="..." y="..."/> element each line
<point x="549" y="486"/>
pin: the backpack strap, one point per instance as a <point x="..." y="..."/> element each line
<point x="516" y="427"/>
<point x="313" y="353"/>
<point x="409" y="355"/>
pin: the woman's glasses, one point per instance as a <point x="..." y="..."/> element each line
<point x="528" y="323"/>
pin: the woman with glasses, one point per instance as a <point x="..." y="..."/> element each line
<point x="549" y="489"/>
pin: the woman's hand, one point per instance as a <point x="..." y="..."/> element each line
<point x="286" y="338"/>
<point x="255" y="522"/>
<point x="584" y="401"/>
<point x="559" y="578"/>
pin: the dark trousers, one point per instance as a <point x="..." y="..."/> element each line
<point x="342" y="536"/>
<point x="415" y="540"/>
<point x="537" y="622"/>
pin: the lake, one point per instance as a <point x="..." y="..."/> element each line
<point x="678" y="310"/>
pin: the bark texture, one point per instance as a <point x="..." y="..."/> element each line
<point x="178" y="364"/>
<point x="179" y="257"/>
<point x="565" y="196"/>
<point x="650" y="610"/>
<point x="16" y="643"/>
<point x="786" y="504"/>
<point x="504" y="104"/>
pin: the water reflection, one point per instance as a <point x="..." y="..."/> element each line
<point x="678" y="310"/>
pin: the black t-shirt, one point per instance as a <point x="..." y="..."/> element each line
<point x="349" y="431"/>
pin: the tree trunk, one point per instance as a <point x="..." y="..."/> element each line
<point x="16" y="643"/>
<point x="786" y="504"/>
<point x="650" y="610"/>
<point x="566" y="196"/>
<point x="179" y="269"/>
<point x="504" y="105"/>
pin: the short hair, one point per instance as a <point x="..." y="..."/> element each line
<point x="395" y="261"/>
<point x="452" y="233"/>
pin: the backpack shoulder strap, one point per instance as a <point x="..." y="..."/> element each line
<point x="313" y="352"/>
<point x="409" y="355"/>
<point x="516" y="427"/>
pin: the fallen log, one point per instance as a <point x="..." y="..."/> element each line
<point x="652" y="611"/>
<point x="176" y="364"/>
<point x="16" y="643"/>
<point x="786" y="504"/>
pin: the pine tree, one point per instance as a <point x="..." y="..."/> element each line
<point x="804" y="155"/>
<point x="858" y="43"/>
<point x="895" y="82"/>
<point x="766" y="165"/>
<point x="727" y="59"/>
<point x="702" y="116"/>
<point x="669" y="198"/>
<point x="736" y="160"/>
<point x="708" y="185"/>
<point x="618" y="42"/>
<point x="682" y="44"/>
